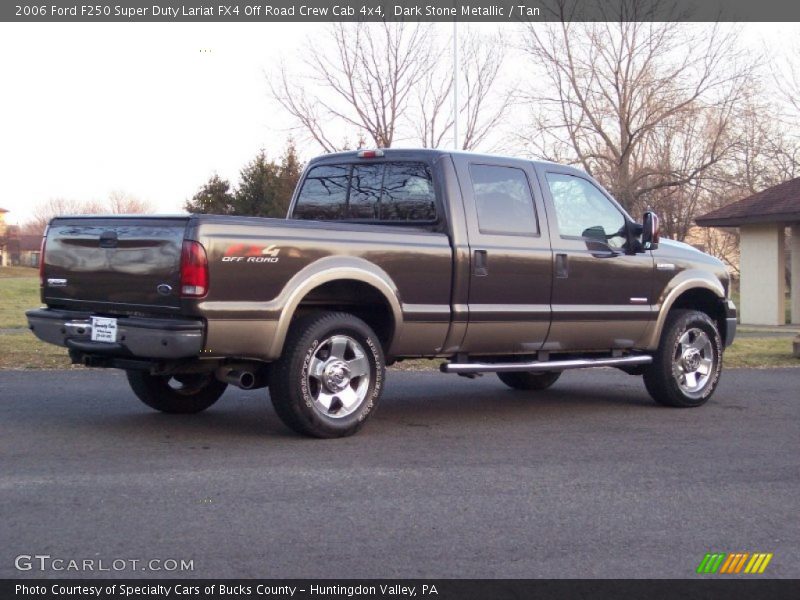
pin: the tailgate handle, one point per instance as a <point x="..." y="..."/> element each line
<point x="108" y="239"/>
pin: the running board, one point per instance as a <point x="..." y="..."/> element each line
<point x="545" y="365"/>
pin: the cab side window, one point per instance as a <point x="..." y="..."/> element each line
<point x="385" y="192"/>
<point x="324" y="193"/>
<point x="584" y="212"/>
<point x="408" y="193"/>
<point x="365" y="192"/>
<point x="503" y="200"/>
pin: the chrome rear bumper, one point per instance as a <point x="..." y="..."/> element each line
<point x="142" y="337"/>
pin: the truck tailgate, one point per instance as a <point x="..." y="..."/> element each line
<point x="114" y="264"/>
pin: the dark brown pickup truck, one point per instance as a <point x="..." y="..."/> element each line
<point x="502" y="265"/>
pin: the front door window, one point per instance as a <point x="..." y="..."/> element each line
<point x="584" y="212"/>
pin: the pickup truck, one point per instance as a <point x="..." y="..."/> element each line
<point x="495" y="265"/>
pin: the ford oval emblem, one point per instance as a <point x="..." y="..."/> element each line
<point x="164" y="289"/>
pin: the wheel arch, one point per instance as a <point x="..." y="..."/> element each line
<point x="696" y="290"/>
<point x="351" y="285"/>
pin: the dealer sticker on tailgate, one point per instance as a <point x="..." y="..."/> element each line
<point x="104" y="329"/>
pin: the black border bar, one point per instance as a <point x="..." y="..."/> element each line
<point x="511" y="11"/>
<point x="445" y="589"/>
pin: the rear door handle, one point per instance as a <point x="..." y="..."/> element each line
<point x="480" y="265"/>
<point x="562" y="266"/>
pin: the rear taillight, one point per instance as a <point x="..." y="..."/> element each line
<point x="194" y="270"/>
<point x="41" y="259"/>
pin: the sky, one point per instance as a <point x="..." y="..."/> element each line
<point x="151" y="109"/>
<point x="147" y="109"/>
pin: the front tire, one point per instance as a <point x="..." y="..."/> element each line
<point x="181" y="394"/>
<point x="330" y="376"/>
<point x="529" y="381"/>
<point x="687" y="365"/>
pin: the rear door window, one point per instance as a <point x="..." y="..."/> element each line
<point x="503" y="200"/>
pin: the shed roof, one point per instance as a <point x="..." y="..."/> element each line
<point x="30" y="243"/>
<point x="778" y="204"/>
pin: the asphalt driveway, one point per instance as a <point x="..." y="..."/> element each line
<point x="451" y="478"/>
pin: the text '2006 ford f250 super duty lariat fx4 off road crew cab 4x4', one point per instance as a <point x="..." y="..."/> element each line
<point x="496" y="264"/>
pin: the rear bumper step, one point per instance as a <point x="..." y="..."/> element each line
<point x="548" y="365"/>
<point x="142" y="337"/>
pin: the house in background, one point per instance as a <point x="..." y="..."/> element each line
<point x="5" y="258"/>
<point x="30" y="247"/>
<point x="762" y="220"/>
<point x="16" y="248"/>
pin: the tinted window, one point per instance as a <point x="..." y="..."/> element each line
<point x="408" y="193"/>
<point x="390" y="191"/>
<point x="324" y="193"/>
<point x="583" y="211"/>
<point x="503" y="200"/>
<point x="365" y="191"/>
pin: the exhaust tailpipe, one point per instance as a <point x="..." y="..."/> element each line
<point x="243" y="379"/>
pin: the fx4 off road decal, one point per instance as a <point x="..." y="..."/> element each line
<point x="250" y="253"/>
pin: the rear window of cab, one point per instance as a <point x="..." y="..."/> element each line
<point x="386" y="192"/>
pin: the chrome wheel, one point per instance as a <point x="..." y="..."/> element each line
<point x="693" y="361"/>
<point x="338" y="376"/>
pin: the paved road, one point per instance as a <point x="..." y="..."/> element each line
<point x="452" y="478"/>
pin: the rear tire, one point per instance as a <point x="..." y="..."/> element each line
<point x="181" y="394"/>
<point x="529" y="381"/>
<point x="687" y="365"/>
<point x="330" y="376"/>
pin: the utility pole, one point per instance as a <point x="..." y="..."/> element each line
<point x="455" y="85"/>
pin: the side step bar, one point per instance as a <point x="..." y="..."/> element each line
<point x="545" y="365"/>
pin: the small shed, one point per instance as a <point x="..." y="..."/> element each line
<point x="762" y="220"/>
<point x="29" y="250"/>
<point x="4" y="257"/>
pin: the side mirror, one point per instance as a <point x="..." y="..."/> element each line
<point x="650" y="231"/>
<point x="596" y="242"/>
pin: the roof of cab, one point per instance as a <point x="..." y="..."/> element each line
<point x="428" y="153"/>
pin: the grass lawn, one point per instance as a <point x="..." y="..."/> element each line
<point x="24" y="351"/>
<point x="761" y="353"/>
<point x="19" y="291"/>
<point x="17" y="294"/>
<point x="18" y="272"/>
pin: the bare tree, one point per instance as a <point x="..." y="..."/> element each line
<point x="624" y="99"/>
<point x="434" y="100"/>
<point x="364" y="76"/>
<point x="483" y="98"/>
<point x="46" y="210"/>
<point x="117" y="203"/>
<point x="393" y="81"/>
<point x="483" y="105"/>
<point x="765" y="151"/>
<point x="120" y="203"/>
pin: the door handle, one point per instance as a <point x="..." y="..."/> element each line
<point x="480" y="264"/>
<point x="562" y="266"/>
